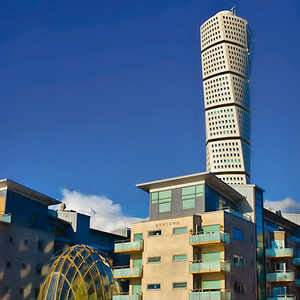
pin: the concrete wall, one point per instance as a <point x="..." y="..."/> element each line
<point x="19" y="258"/>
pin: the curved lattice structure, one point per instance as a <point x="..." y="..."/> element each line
<point x="226" y="43"/>
<point x="79" y="273"/>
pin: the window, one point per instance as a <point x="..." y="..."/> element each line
<point x="180" y="230"/>
<point x="38" y="269"/>
<point x="238" y="261"/>
<point x="163" y="198"/>
<point x="238" y="234"/>
<point x="179" y="285"/>
<point x="179" y="257"/>
<point x="189" y="194"/>
<point x="212" y="284"/>
<point x="155" y="259"/>
<point x="40" y="246"/>
<point x="154" y="233"/>
<point x="211" y="256"/>
<point x="138" y="237"/>
<point x="239" y="287"/>
<point x="155" y="286"/>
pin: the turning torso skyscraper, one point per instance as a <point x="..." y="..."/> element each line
<point x="226" y="42"/>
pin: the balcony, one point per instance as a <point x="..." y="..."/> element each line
<point x="288" y="276"/>
<point x="213" y="266"/>
<point x="280" y="252"/>
<point x="238" y="214"/>
<point x="127" y="272"/>
<point x="282" y="297"/>
<point x="5" y="218"/>
<point x="126" y="296"/>
<point x="128" y="246"/>
<point x="209" y="238"/>
<point x="296" y="261"/>
<point x="210" y="295"/>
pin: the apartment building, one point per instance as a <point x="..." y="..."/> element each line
<point x="209" y="240"/>
<point x="195" y="245"/>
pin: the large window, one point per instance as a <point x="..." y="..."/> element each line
<point x="189" y="194"/>
<point x="211" y="256"/>
<point x="214" y="201"/>
<point x="164" y="199"/>
<point x="211" y="284"/>
<point x="138" y="237"/>
<point x="238" y="234"/>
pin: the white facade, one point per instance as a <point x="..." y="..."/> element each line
<point x="226" y="60"/>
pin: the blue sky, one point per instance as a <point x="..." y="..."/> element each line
<point x="98" y="96"/>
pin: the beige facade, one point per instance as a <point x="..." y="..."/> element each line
<point x="199" y="254"/>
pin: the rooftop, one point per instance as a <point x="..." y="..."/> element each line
<point x="6" y="184"/>
<point x="209" y="178"/>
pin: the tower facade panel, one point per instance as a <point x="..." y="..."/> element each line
<point x="226" y="64"/>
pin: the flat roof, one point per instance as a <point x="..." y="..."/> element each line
<point x="25" y="191"/>
<point x="209" y="178"/>
<point x="279" y="219"/>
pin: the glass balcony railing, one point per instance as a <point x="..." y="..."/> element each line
<point x="209" y="266"/>
<point x="5" y="218"/>
<point x="126" y="296"/>
<point x="296" y="260"/>
<point x="128" y="246"/>
<point x="282" y="252"/>
<point x="209" y="238"/>
<point x="238" y="214"/>
<point x="210" y="295"/>
<point x="281" y="276"/>
<point x="127" y="272"/>
<point x="282" y="297"/>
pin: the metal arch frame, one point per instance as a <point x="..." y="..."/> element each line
<point x="83" y="252"/>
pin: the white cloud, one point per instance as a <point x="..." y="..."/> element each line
<point x="286" y="206"/>
<point x="105" y="215"/>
